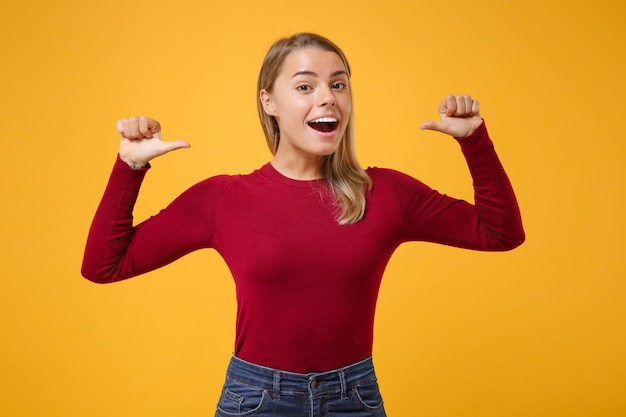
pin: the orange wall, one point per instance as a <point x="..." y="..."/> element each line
<point x="540" y="331"/>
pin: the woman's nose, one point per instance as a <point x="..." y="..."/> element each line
<point x="326" y="97"/>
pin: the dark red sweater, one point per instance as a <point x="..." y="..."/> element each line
<point x="306" y="286"/>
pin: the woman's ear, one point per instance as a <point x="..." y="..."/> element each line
<point x="268" y="104"/>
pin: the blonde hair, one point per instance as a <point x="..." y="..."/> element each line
<point x="347" y="180"/>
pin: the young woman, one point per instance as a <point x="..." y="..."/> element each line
<point x="307" y="236"/>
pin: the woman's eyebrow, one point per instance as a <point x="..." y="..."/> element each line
<point x="314" y="74"/>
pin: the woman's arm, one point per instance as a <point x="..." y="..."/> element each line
<point x="493" y="222"/>
<point x="115" y="248"/>
<point x="140" y="141"/>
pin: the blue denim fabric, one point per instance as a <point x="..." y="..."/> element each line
<point x="253" y="390"/>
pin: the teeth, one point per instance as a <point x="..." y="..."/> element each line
<point x="324" y="120"/>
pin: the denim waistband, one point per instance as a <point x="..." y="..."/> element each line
<point x="278" y="381"/>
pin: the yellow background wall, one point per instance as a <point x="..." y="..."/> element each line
<point x="540" y="331"/>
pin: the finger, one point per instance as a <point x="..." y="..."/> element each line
<point x="125" y="132"/>
<point x="153" y="125"/>
<point x="468" y="104"/>
<point x="460" y="105"/>
<point x="144" y="127"/>
<point x="475" y="108"/>
<point x="119" y="127"/>
<point x="448" y="106"/>
<point x="126" y="129"/>
<point x="133" y="128"/>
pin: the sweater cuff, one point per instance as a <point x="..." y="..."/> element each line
<point x="476" y="142"/>
<point x="124" y="179"/>
<point x="119" y="161"/>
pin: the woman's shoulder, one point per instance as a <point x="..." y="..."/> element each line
<point x="217" y="181"/>
<point x="225" y="181"/>
<point x="395" y="180"/>
<point x="387" y="174"/>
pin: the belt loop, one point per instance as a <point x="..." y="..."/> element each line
<point x="344" y="388"/>
<point x="276" y="394"/>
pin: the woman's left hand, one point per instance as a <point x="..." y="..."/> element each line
<point x="459" y="116"/>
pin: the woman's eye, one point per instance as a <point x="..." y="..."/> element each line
<point x="339" y="86"/>
<point x="303" y="88"/>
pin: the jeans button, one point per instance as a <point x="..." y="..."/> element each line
<point x="314" y="384"/>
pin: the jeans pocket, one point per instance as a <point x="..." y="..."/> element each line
<point x="238" y="400"/>
<point x="368" y="396"/>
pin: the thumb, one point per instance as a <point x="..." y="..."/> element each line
<point x="432" y="125"/>
<point x="162" y="147"/>
<point x="175" y="144"/>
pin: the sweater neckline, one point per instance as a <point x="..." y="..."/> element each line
<point x="271" y="172"/>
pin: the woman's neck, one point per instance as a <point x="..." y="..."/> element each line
<point x="299" y="168"/>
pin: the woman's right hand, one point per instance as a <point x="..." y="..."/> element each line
<point x="141" y="141"/>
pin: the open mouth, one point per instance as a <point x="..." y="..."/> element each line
<point x="324" y="124"/>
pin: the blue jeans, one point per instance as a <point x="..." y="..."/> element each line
<point x="253" y="390"/>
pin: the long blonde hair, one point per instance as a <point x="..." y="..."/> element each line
<point x="347" y="180"/>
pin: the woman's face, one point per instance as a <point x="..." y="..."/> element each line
<point x="311" y="102"/>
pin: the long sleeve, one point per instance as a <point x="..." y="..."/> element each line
<point x="117" y="250"/>
<point x="492" y="223"/>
